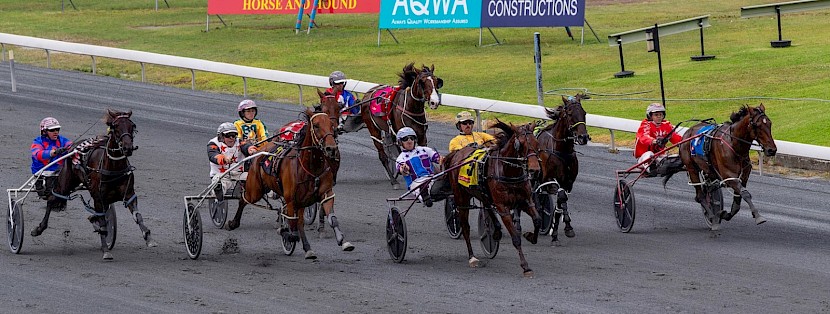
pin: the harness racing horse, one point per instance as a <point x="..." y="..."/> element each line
<point x="503" y="184"/>
<point x="301" y="176"/>
<point x="328" y="104"/>
<point x="727" y="161"/>
<point x="558" y="159"/>
<point x="406" y="109"/>
<point x="105" y="171"/>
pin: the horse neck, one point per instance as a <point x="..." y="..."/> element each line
<point x="506" y="167"/>
<point x="740" y="137"/>
<point x="312" y="158"/>
<point x="561" y="141"/>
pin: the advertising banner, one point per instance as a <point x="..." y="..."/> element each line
<point x="291" y="6"/>
<point x="430" y="14"/>
<point x="532" y="13"/>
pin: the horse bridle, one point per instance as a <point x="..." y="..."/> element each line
<point x="524" y="166"/>
<point x="428" y="77"/>
<point x="318" y="142"/>
<point x="120" y="138"/>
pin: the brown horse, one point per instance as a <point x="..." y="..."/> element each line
<point x="503" y="184"/>
<point x="727" y="161"/>
<point x="302" y="176"/>
<point x="107" y="174"/>
<point x="329" y="105"/>
<point x="558" y="159"/>
<point x="416" y="87"/>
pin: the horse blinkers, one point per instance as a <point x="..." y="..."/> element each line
<point x="771" y="149"/>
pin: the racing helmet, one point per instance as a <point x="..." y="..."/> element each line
<point x="245" y="104"/>
<point x="406" y="131"/>
<point x="49" y="123"/>
<point x="337" y="77"/>
<point x="464" y="116"/>
<point x="655" y="107"/>
<point x="226" y="127"/>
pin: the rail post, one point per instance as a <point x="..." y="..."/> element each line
<point x="537" y="58"/>
<point x="11" y="70"/>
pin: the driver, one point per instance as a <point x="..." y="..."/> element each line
<point x="224" y="151"/>
<point x="464" y="123"/>
<point x="415" y="163"/>
<point x="653" y="134"/>
<point x="337" y="81"/>
<point x="45" y="148"/>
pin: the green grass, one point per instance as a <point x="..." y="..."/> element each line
<point x="745" y="66"/>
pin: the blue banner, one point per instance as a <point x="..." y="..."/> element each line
<point x="430" y="14"/>
<point x="532" y="13"/>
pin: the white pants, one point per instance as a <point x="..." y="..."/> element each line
<point x="645" y="156"/>
<point x="418" y="183"/>
<point x="229" y="180"/>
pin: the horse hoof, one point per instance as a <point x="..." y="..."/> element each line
<point x="528" y="274"/>
<point x="760" y="219"/>
<point x="715" y="227"/>
<point x="570" y="233"/>
<point x="107" y="256"/>
<point x="531" y="237"/>
<point x="396" y="186"/>
<point x="151" y="243"/>
<point x="232" y="225"/>
<point x="36" y="232"/>
<point x="348" y="247"/>
<point x="714" y="234"/>
<point x="310" y="255"/>
<point x="473" y="262"/>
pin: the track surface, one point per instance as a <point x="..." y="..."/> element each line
<point x="669" y="263"/>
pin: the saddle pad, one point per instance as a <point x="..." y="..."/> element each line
<point x="269" y="164"/>
<point x="383" y="105"/>
<point x="289" y="131"/>
<point x="697" y="143"/>
<point x="468" y="174"/>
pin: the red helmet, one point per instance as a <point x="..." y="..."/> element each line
<point x="49" y="123"/>
<point x="245" y="104"/>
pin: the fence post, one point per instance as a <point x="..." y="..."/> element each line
<point x="143" y="78"/>
<point x="613" y="148"/>
<point x="48" y="59"/>
<point x="537" y="53"/>
<point x="3" y="46"/>
<point x="192" y="79"/>
<point x="244" y="87"/>
<point x="301" y="93"/>
<point x="11" y="70"/>
<point x="94" y="70"/>
<point x="478" y="120"/>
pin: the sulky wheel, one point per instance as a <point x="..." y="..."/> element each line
<point x="396" y="240"/>
<point x="14" y="226"/>
<point x="624" y="206"/>
<point x="192" y="227"/>
<point x="219" y="212"/>
<point x="545" y="204"/>
<point x="486" y="229"/>
<point x="311" y="213"/>
<point x="451" y="218"/>
<point x="289" y="242"/>
<point x="714" y="196"/>
<point x="112" y="226"/>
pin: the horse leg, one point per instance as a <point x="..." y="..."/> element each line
<point x="464" y="216"/>
<point x="99" y="225"/>
<point x="755" y="214"/>
<point x="562" y="203"/>
<point x="537" y="223"/>
<point x="507" y="219"/>
<point x="736" y="201"/>
<point x="252" y="193"/>
<point x="132" y="205"/>
<point x="43" y="223"/>
<point x="298" y="226"/>
<point x="328" y="207"/>
<point x="376" y="134"/>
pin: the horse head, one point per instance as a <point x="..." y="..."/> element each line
<point x="573" y="115"/>
<point x="423" y="85"/>
<point x="322" y="133"/>
<point x="519" y="142"/>
<point x="329" y="105"/>
<point x="760" y="127"/>
<point x="122" y="129"/>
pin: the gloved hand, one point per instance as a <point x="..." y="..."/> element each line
<point x="59" y="151"/>
<point x="404" y="170"/>
<point x="252" y="150"/>
<point x="220" y="159"/>
<point x="661" y="141"/>
<point x="228" y="159"/>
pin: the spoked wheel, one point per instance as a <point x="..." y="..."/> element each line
<point x="311" y="213"/>
<point x="288" y="244"/>
<point x="545" y="203"/>
<point x="396" y="240"/>
<point x="451" y="218"/>
<point x="112" y="227"/>
<point x="219" y="212"/>
<point x="486" y="229"/>
<point x="624" y="206"/>
<point x="192" y="228"/>
<point x="714" y="196"/>
<point x="14" y="226"/>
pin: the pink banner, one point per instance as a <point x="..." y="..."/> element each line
<point x="291" y="6"/>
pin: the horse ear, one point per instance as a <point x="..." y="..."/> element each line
<point x="432" y="68"/>
<point x="129" y="113"/>
<point x="321" y="94"/>
<point x="762" y="107"/>
<point x="564" y="100"/>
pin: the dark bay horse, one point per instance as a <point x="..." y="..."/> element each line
<point x="503" y="185"/>
<point x="417" y="87"/>
<point x="727" y="160"/>
<point x="558" y="159"/>
<point x="301" y="176"/>
<point x="105" y="171"/>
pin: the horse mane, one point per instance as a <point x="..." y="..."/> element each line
<point x="407" y="76"/>
<point x="506" y="128"/>
<point x="737" y="116"/>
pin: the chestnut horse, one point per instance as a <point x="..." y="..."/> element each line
<point x="503" y="184"/>
<point x="303" y="176"/>
<point x="107" y="174"/>
<point x="727" y="161"/>
<point x="416" y="87"/>
<point x="558" y="160"/>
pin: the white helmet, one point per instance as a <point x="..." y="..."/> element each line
<point x="49" y="123"/>
<point x="337" y="77"/>
<point x="226" y="127"/>
<point x="406" y="131"/>
<point x="655" y="107"/>
<point x="245" y="104"/>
